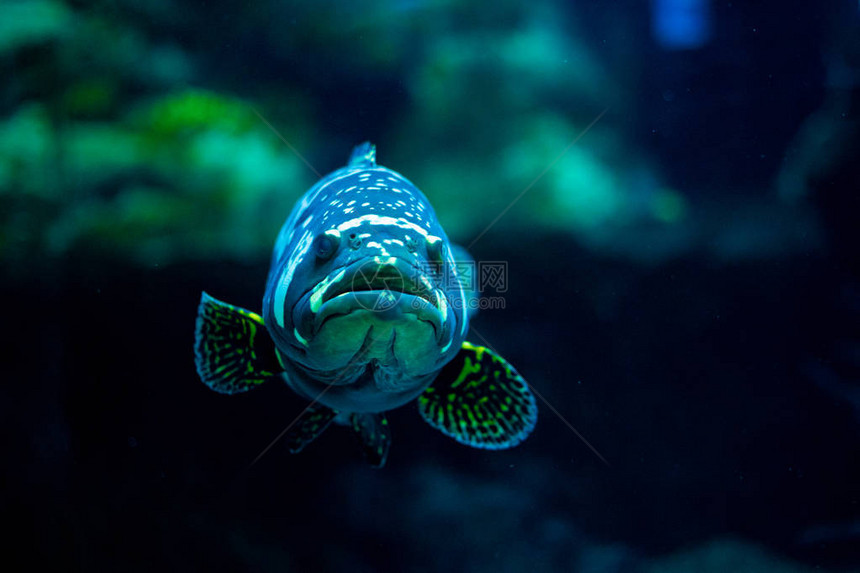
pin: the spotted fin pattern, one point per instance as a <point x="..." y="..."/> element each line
<point x="313" y="422"/>
<point x="480" y="400"/>
<point x="373" y="432"/>
<point x="232" y="350"/>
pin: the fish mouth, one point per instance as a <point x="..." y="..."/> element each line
<point x="388" y="286"/>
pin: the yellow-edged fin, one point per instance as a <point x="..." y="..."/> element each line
<point x="375" y="436"/>
<point x="480" y="400"/>
<point x="232" y="350"/>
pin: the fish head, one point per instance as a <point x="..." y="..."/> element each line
<point x="375" y="290"/>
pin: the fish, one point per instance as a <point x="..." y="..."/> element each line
<point x="366" y="309"/>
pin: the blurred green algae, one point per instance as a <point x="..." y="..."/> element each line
<point x="32" y="22"/>
<point x="190" y="174"/>
<point x="110" y="140"/>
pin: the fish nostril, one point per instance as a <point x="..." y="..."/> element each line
<point x="434" y="249"/>
<point x="411" y="245"/>
<point x="354" y="241"/>
<point x="327" y="244"/>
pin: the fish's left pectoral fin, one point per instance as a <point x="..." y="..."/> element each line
<point x="373" y="433"/>
<point x="232" y="351"/>
<point x="480" y="400"/>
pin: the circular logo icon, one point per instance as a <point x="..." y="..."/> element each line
<point x="386" y="281"/>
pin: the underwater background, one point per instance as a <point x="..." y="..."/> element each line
<point x="673" y="185"/>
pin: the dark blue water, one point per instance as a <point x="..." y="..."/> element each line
<point x="672" y="185"/>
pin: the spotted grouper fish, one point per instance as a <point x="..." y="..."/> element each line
<point x="364" y="311"/>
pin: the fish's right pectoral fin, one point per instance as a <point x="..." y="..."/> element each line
<point x="480" y="400"/>
<point x="232" y="351"/>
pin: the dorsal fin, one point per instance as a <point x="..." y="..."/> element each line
<point x="363" y="155"/>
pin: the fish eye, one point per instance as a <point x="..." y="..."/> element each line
<point x="326" y="244"/>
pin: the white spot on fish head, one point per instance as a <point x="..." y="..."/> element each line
<point x="375" y="245"/>
<point x="372" y="219"/>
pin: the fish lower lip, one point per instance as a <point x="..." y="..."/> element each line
<point x="382" y="302"/>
